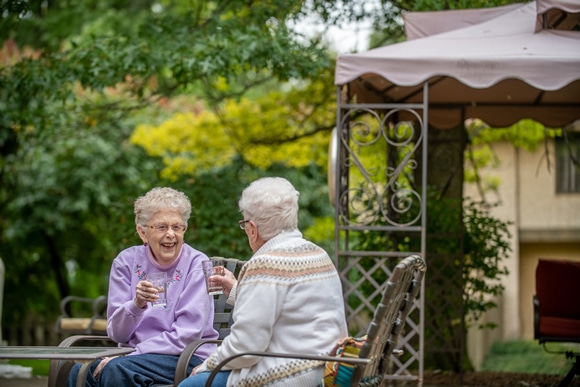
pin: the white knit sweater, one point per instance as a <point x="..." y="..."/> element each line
<point x="289" y="299"/>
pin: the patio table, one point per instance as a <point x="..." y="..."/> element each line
<point x="86" y="355"/>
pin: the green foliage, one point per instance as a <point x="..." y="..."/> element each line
<point x="527" y="357"/>
<point x="440" y="5"/>
<point x="289" y="128"/>
<point x="173" y="47"/>
<point x="77" y="77"/>
<point x="64" y="219"/>
<point x="39" y="367"/>
<point x="486" y="245"/>
<point x="480" y="153"/>
<point x="480" y="258"/>
<point x="214" y="227"/>
<point x="526" y="134"/>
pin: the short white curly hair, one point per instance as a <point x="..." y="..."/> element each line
<point x="271" y="203"/>
<point x="161" y="198"/>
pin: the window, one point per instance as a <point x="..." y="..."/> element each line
<point x="568" y="163"/>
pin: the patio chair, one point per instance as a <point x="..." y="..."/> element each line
<point x="74" y="316"/>
<point x="370" y="368"/>
<point x="557" y="308"/>
<point x="59" y="370"/>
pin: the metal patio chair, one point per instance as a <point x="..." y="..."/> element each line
<point x="371" y="365"/>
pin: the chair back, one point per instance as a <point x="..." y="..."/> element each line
<point x="557" y="309"/>
<point x="222" y="318"/>
<point x="389" y="320"/>
<point x="557" y="304"/>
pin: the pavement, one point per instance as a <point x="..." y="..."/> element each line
<point x="34" y="381"/>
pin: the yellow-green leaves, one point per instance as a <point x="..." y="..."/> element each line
<point x="187" y="142"/>
<point x="290" y="128"/>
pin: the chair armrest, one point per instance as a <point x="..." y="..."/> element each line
<point x="185" y="358"/>
<point x="354" y="361"/>
<point x="69" y="341"/>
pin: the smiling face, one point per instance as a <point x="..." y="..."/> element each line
<point x="165" y="245"/>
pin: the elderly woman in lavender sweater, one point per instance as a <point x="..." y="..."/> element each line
<point x="158" y="334"/>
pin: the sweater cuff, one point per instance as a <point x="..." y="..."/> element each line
<point x="135" y="310"/>
<point x="232" y="297"/>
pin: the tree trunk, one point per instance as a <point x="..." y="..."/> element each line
<point x="445" y="332"/>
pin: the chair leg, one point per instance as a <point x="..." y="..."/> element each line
<point x="574" y="371"/>
<point x="62" y="374"/>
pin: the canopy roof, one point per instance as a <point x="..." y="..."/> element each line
<point x="499" y="64"/>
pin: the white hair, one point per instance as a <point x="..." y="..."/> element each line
<point x="161" y="198"/>
<point x="271" y="203"/>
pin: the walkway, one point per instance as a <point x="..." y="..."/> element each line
<point x="35" y="381"/>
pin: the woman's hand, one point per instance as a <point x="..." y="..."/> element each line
<point x="145" y="292"/>
<point x="227" y="281"/>
<point x="101" y="365"/>
<point x="194" y="370"/>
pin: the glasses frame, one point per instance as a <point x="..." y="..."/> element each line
<point x="160" y="228"/>
<point x="242" y="223"/>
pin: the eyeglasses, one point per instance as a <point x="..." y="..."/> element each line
<point x="163" y="228"/>
<point x="242" y="224"/>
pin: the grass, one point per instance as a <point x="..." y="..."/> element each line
<point x="39" y="367"/>
<point x="528" y="357"/>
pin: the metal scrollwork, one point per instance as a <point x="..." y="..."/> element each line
<point x="379" y="163"/>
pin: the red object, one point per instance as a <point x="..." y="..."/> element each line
<point x="558" y="295"/>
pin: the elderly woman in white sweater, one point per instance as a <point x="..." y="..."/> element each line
<point x="288" y="297"/>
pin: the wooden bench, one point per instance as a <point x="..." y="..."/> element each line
<point x="557" y="308"/>
<point x="82" y="316"/>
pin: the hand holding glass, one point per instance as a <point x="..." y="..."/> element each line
<point x="210" y="269"/>
<point x="159" y="280"/>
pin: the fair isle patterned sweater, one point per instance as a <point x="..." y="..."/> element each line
<point x="289" y="299"/>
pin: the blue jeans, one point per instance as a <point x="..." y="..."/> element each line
<point x="198" y="380"/>
<point x="149" y="369"/>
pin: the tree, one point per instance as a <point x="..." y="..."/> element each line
<point x="76" y="78"/>
<point x="291" y="128"/>
<point x="64" y="202"/>
<point x="69" y="100"/>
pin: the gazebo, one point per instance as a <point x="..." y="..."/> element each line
<point x="499" y="65"/>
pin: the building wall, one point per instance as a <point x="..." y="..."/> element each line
<point x="548" y="226"/>
<point x="544" y="215"/>
<point x="545" y="225"/>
